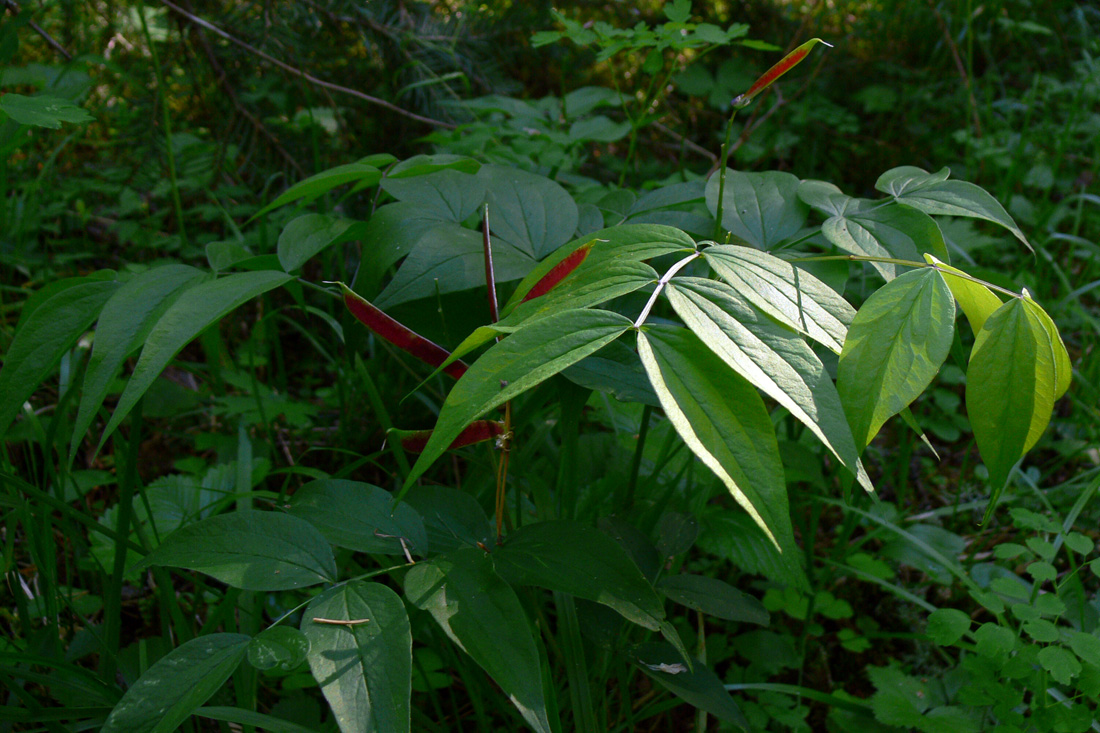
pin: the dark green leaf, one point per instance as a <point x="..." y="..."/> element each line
<point x="279" y="648"/>
<point x="42" y="110"/>
<point x="895" y="346"/>
<point x="267" y="723"/>
<point x="530" y="212"/>
<point x="582" y="561"/>
<point x="947" y="625"/>
<point x="364" y="667"/>
<point x="124" y="324"/>
<point x="699" y="686"/>
<point x="1060" y="662"/>
<point x="43" y="337"/>
<point x="453" y="519"/>
<point x="714" y="597"/>
<point x="521" y="361"/>
<point x="762" y="209"/>
<point x="784" y="292"/>
<point x="250" y="550"/>
<point x="446" y="194"/>
<point x="177" y="684"/>
<point x="723" y="420"/>
<point x="421" y="165"/>
<point x="483" y="616"/>
<point x="360" y="517"/>
<point x="191" y="314"/>
<point x="309" y="234"/>
<point x="320" y="184"/>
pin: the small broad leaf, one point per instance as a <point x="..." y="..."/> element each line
<point x="723" y="420"/>
<point x="279" y="648"/>
<point x="444" y="194"/>
<point x="320" y="184"/>
<point x="895" y="346"/>
<point x="898" y="232"/>
<point x="762" y="209"/>
<point x="177" y="684"/>
<point x="977" y="301"/>
<point x="43" y="337"/>
<point x="772" y="357"/>
<point x="787" y="293"/>
<point x="582" y="561"/>
<point x="1011" y="385"/>
<point x="934" y="194"/>
<point x="483" y="616"/>
<point x="714" y="598"/>
<point x="250" y="550"/>
<point x="634" y="242"/>
<point x="448" y="259"/>
<point x="191" y="314"/>
<point x="453" y="519"/>
<point x="947" y="625"/>
<point x="520" y="361"/>
<point x="124" y="324"/>
<point x="42" y="110"/>
<point x="309" y="234"/>
<point x="1060" y="662"/>
<point x="360" y="517"/>
<point x="698" y="686"/>
<point x="364" y="666"/>
<point x="531" y="212"/>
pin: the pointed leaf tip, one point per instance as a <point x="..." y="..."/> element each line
<point x="400" y="335"/>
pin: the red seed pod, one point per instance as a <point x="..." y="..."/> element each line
<point x="478" y="431"/>
<point x="559" y="271"/>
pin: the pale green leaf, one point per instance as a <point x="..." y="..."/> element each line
<point x="895" y="346"/>
<point x="723" y="421"/>
<point x="893" y="232"/>
<point x="772" y="357"/>
<point x="784" y="292"/>
<point x="977" y="301"/>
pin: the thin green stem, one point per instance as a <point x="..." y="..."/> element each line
<point x="722" y="158"/>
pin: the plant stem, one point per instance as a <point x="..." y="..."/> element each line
<point x="661" y="285"/>
<point x="722" y="158"/>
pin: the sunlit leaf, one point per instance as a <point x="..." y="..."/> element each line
<point x="977" y="301"/>
<point x="762" y="209"/>
<point x="895" y="346"/>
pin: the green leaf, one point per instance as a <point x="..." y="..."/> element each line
<point x="483" y="616"/>
<point x="899" y="699"/>
<point x="447" y="259"/>
<point x="723" y="420"/>
<point x="714" y="597"/>
<point x="699" y="686"/>
<point x="191" y="314"/>
<point x="1060" y="662"/>
<point x="310" y="234"/>
<point x="1063" y="368"/>
<point x="634" y="242"/>
<point x="1011" y="385"/>
<point x="895" y="346"/>
<point x="177" y="684"/>
<point x="421" y="165"/>
<point x="365" y="667"/>
<point x="124" y="324"/>
<point x="42" y="110"/>
<point x="360" y="517"/>
<point x="934" y="194"/>
<point x="762" y="209"/>
<point x="250" y="550"/>
<point x="947" y="625"/>
<point x="772" y="357"/>
<point x="279" y="648"/>
<point x="977" y="301"/>
<point x="678" y="11"/>
<point x="786" y="293"/>
<point x="526" y="358"/>
<point x="267" y="723"/>
<point x="994" y="642"/>
<point x="391" y="233"/>
<point x="868" y="228"/>
<point x="452" y="518"/>
<point x="530" y="212"/>
<point x="316" y="186"/>
<point x="599" y="128"/>
<point x="582" y="561"/>
<point x="1086" y="646"/>
<point x="42" y="339"/>
<point x="446" y="194"/>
